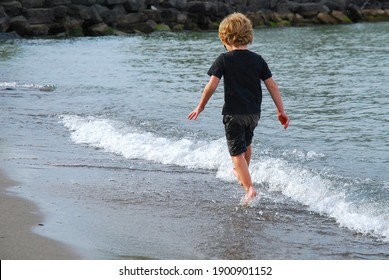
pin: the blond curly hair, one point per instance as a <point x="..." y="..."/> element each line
<point x="236" y="30"/>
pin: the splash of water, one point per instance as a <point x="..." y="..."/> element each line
<point x="26" y="86"/>
<point x="321" y="194"/>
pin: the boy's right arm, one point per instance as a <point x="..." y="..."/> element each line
<point x="209" y="89"/>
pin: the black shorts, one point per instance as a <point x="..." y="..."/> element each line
<point x="239" y="132"/>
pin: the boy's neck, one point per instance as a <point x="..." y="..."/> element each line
<point x="237" y="48"/>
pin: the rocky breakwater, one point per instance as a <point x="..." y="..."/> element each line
<point x="62" y="18"/>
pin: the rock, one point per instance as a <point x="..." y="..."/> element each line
<point x="99" y="29"/>
<point x="89" y="13"/>
<point x="284" y="7"/>
<point x="110" y="16"/>
<point x="178" y="28"/>
<point x="56" y="29"/>
<point x="354" y="13"/>
<point x="181" y="18"/>
<point x="4" y="24"/>
<point x="258" y="19"/>
<point x="154" y="15"/>
<point x="112" y="2"/>
<point x="255" y="5"/>
<point x="4" y="20"/>
<point x="87" y="3"/>
<point x="176" y="4"/>
<point x="374" y="15"/>
<point x="200" y="7"/>
<point x="73" y="27"/>
<point x="311" y="9"/>
<point x="125" y="20"/>
<point x="134" y="5"/>
<point x="12" y="8"/>
<point x="150" y="3"/>
<point x="152" y="24"/>
<point x="27" y="4"/>
<point x="141" y="27"/>
<point x="20" y="25"/>
<point x="39" y="30"/>
<point x="169" y="15"/>
<point x="190" y="25"/>
<point x="55" y="3"/>
<point x="326" y="18"/>
<point x="130" y="24"/>
<point x="39" y="15"/>
<point x="60" y="12"/>
<point x="274" y="16"/>
<point x="297" y="20"/>
<point x="341" y="17"/>
<point x="337" y="5"/>
<point x="222" y="10"/>
<point x="288" y="16"/>
<point x="161" y="27"/>
<point x="201" y="21"/>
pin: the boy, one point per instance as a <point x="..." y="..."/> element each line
<point x="243" y="71"/>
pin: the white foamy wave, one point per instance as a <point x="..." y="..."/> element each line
<point x="321" y="195"/>
<point x="133" y="144"/>
<point x="15" y="85"/>
<point x="302" y="156"/>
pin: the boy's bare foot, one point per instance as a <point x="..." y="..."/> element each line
<point x="250" y="195"/>
<point x="237" y="176"/>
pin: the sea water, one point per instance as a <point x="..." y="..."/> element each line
<point x="95" y="130"/>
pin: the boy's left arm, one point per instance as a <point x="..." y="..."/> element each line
<point x="275" y="93"/>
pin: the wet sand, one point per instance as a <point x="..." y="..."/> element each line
<point x="17" y="241"/>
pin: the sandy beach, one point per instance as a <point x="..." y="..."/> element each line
<point x="17" y="241"/>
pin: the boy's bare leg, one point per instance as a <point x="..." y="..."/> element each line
<point x="247" y="156"/>
<point x="242" y="169"/>
<point x="237" y="175"/>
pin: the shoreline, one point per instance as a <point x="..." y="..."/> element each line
<point x="17" y="240"/>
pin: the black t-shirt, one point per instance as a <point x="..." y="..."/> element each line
<point x="243" y="71"/>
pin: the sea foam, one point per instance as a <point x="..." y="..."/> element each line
<point x="322" y="195"/>
<point x="26" y="86"/>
